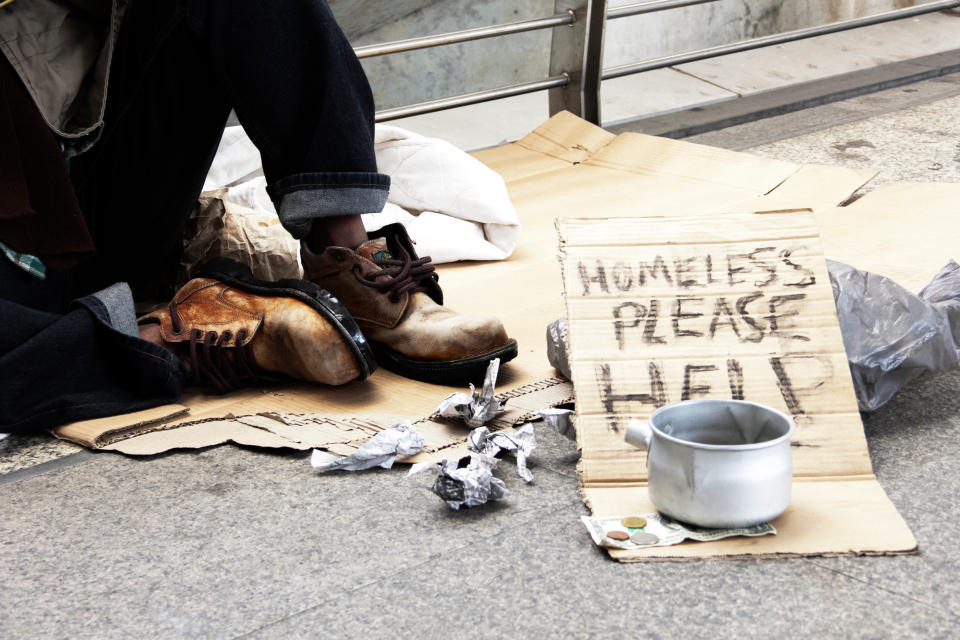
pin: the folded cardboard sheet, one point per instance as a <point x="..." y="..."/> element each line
<point x="728" y="305"/>
<point x="565" y="168"/>
<point x="905" y="231"/>
<point x="288" y="418"/>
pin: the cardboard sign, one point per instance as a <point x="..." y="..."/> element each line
<point x="721" y="306"/>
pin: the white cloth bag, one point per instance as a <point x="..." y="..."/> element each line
<point x="452" y="205"/>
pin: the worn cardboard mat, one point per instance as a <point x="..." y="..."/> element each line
<point x="728" y="305"/>
<point x="565" y="168"/>
<point x="288" y="417"/>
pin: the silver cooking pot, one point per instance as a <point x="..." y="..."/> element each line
<point x="717" y="463"/>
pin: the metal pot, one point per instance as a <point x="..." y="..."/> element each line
<point x="717" y="463"/>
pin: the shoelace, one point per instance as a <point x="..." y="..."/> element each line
<point x="406" y="275"/>
<point x="211" y="355"/>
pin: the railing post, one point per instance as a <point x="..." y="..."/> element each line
<point x="577" y="52"/>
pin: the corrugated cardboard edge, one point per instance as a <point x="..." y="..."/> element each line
<point x="157" y="430"/>
<point x="771" y="556"/>
<point x="214" y="433"/>
<point x="102" y="432"/>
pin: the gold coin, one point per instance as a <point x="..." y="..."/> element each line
<point x="634" y="522"/>
<point x="618" y="535"/>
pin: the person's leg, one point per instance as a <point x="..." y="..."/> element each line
<point x="87" y="362"/>
<point x="224" y="328"/>
<point x="136" y="187"/>
<point x="300" y="93"/>
<point x="179" y="67"/>
<point x="60" y="360"/>
<point x="164" y="118"/>
<point x="336" y="231"/>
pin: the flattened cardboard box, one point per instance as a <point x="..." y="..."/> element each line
<point x="565" y="167"/>
<point x="283" y="419"/>
<point x="730" y="306"/>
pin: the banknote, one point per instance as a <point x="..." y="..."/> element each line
<point x="659" y="531"/>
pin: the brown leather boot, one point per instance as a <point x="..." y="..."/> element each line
<point x="232" y="330"/>
<point x="396" y="300"/>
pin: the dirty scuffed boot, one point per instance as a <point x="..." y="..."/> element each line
<point x="397" y="302"/>
<point x="232" y="330"/>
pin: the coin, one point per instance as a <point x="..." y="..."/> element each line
<point x="618" y="535"/>
<point x="644" y="539"/>
<point x="634" y="522"/>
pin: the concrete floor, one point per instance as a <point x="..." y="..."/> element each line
<point x="240" y="543"/>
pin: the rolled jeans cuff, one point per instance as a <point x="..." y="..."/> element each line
<point x="303" y="197"/>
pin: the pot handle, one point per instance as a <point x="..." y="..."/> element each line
<point x="639" y="434"/>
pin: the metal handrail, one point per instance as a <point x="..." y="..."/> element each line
<point x="639" y="8"/>
<point x="466" y="35"/>
<point x="766" y="41"/>
<point x="522" y="26"/>
<point x="591" y="13"/>
<point x="472" y="98"/>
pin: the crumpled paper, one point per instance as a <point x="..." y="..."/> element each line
<point x="401" y="440"/>
<point x="476" y="409"/>
<point x="520" y="444"/>
<point x="223" y="227"/>
<point x="557" y="347"/>
<point x="561" y="420"/>
<point x="469" y="486"/>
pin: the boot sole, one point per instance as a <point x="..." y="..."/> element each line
<point x="447" y="372"/>
<point x="320" y="300"/>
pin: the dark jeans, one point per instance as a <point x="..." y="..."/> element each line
<point x="179" y="67"/>
<point x="87" y="362"/>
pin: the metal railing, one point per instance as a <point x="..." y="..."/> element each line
<point x="576" y="52"/>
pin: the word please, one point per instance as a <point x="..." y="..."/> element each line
<point x="750" y="318"/>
